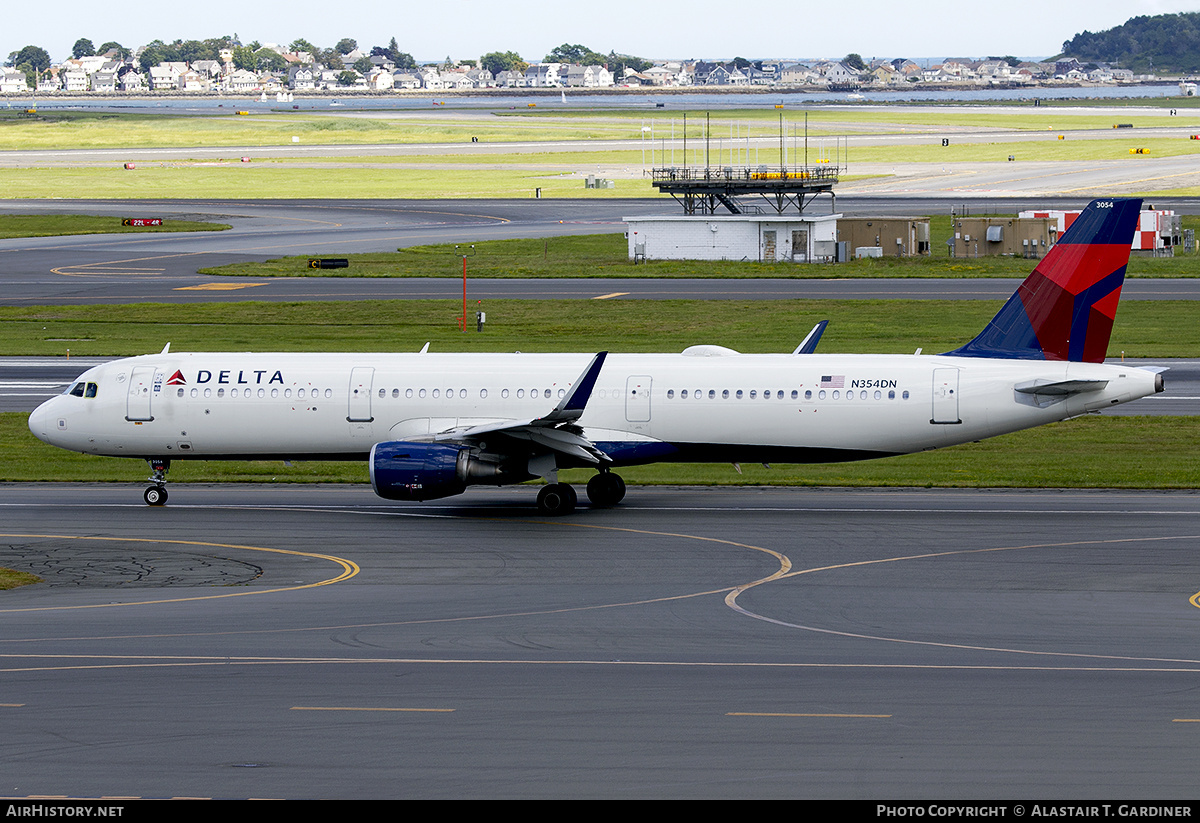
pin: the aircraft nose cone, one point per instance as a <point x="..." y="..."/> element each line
<point x="39" y="422"/>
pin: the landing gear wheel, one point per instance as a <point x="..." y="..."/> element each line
<point x="606" y="489"/>
<point x="556" y="499"/>
<point x="156" y="494"/>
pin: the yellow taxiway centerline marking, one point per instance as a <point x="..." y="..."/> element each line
<point x="359" y="709"/>
<point x="349" y="569"/>
<point x="218" y="287"/>
<point x="801" y="714"/>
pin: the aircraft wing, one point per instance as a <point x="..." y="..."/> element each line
<point x="555" y="431"/>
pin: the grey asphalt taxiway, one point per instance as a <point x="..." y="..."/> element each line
<point x="291" y="641"/>
<point x="301" y="641"/>
<point x="165" y="267"/>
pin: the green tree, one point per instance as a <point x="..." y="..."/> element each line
<point x="346" y="45"/>
<point x="854" y="61"/>
<point x="568" y="53"/>
<point x="303" y="45"/>
<point x="243" y="58"/>
<point x="1168" y="42"/>
<point x="269" y="60"/>
<point x="402" y="59"/>
<point x="330" y="59"/>
<point x="83" y="48"/>
<point x="36" y="56"/>
<point x="153" y="53"/>
<point x="120" y="51"/>
<point x="347" y="78"/>
<point x="498" y="61"/>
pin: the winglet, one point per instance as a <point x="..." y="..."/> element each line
<point x="572" y="406"/>
<point x="809" y="344"/>
<point x="1065" y="308"/>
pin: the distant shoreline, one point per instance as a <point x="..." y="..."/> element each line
<point x="666" y="91"/>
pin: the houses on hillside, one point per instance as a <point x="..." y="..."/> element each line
<point x="109" y="74"/>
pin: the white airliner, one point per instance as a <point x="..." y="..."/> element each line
<point x="432" y="424"/>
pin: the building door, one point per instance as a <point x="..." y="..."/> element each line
<point x="768" y="247"/>
<point x="800" y="245"/>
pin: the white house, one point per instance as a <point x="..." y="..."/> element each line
<point x="13" y="81"/>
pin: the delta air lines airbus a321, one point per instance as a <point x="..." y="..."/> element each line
<point x="432" y="424"/>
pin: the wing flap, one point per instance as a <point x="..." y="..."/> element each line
<point x="555" y="432"/>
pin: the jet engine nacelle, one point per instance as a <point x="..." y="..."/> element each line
<point x="401" y="470"/>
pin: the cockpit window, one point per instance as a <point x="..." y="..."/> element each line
<point x="82" y="389"/>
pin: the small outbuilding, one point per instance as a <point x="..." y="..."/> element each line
<point x="795" y="238"/>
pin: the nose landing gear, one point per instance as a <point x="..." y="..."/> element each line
<point x="156" y="494"/>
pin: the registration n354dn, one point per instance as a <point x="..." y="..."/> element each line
<point x="430" y="425"/>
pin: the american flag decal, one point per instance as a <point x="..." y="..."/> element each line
<point x="833" y="381"/>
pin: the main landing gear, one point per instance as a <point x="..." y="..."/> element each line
<point x="556" y="498"/>
<point x="604" y="490"/>
<point x="156" y="495"/>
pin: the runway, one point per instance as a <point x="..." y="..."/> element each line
<point x="308" y="642"/>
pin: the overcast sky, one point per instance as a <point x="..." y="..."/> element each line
<point x="697" y="29"/>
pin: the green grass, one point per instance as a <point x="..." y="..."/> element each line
<point x="1143" y="328"/>
<point x="62" y="130"/>
<point x="262" y="180"/>
<point x="81" y="130"/>
<point x="10" y="579"/>
<point x="835" y="117"/>
<point x="59" y="225"/>
<point x="1091" y="452"/>
<point x="606" y="255"/>
<point x="477" y="172"/>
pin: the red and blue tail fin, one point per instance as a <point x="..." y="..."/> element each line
<point x="1065" y="308"/>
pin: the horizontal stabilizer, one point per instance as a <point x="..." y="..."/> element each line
<point x="1060" y="387"/>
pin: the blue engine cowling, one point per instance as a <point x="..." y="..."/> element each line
<point x="401" y="470"/>
<point x="416" y="471"/>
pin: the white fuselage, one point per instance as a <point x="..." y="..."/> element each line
<point x="783" y="408"/>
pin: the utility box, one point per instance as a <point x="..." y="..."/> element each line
<point x="897" y="236"/>
<point x="1014" y="236"/>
